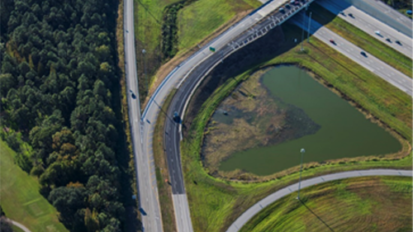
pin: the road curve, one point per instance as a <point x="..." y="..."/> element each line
<point x="21" y="226"/>
<point x="174" y="80"/>
<point x="255" y="209"/>
<point x="145" y="174"/>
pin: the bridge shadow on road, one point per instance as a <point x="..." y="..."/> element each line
<point x="320" y="15"/>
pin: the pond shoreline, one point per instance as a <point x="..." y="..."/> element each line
<point x="237" y="174"/>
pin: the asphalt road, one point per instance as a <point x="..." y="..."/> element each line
<point x="381" y="69"/>
<point x="196" y="65"/>
<point x="255" y="209"/>
<point x="378" y="67"/>
<point x="369" y="24"/>
<point x="21" y="226"/>
<point x="386" y="14"/>
<point x="145" y="175"/>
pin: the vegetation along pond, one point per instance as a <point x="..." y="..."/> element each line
<point x="263" y="124"/>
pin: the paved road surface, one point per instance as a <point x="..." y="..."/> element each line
<point x="386" y="72"/>
<point x="255" y="209"/>
<point x="145" y="175"/>
<point x="378" y="67"/>
<point x="369" y="24"/>
<point x="21" y="226"/>
<point x="385" y="13"/>
<point x="175" y="79"/>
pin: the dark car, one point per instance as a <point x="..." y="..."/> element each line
<point x="398" y="42"/>
<point x="332" y="41"/>
<point x="176" y="117"/>
<point x="363" y="54"/>
<point x="388" y="40"/>
<point x="142" y="212"/>
<point x="351" y="15"/>
<point x="132" y="94"/>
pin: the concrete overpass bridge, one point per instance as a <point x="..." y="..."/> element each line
<point x="257" y="24"/>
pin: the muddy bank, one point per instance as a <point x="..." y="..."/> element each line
<point x="249" y="117"/>
<point x="253" y="54"/>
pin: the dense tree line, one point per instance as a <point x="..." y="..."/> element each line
<point x="57" y="74"/>
<point x="399" y="4"/>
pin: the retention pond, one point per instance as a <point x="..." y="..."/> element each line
<point x="327" y="126"/>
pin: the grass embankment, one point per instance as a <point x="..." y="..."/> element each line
<point x="20" y="197"/>
<point x="363" y="40"/>
<point x="161" y="168"/>
<point x="357" y="204"/>
<point x="202" y="17"/>
<point x="159" y="20"/>
<point x="400" y="5"/>
<point x="216" y="203"/>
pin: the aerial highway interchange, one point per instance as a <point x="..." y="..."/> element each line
<point x="186" y="76"/>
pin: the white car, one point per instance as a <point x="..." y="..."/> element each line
<point x="377" y="32"/>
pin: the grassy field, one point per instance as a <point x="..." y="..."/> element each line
<point x="202" y="17"/>
<point x="194" y="22"/>
<point x="357" y="204"/>
<point x="215" y="203"/>
<point x="20" y="197"/>
<point x="363" y="40"/>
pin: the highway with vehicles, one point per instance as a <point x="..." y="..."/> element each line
<point x="145" y="174"/>
<point x="185" y="77"/>
<point x="368" y="61"/>
<point x="255" y="209"/>
<point x="385" y="14"/>
<point x="370" y="25"/>
<point x="192" y="70"/>
<point x="376" y="66"/>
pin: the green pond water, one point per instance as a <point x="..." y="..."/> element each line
<point x="344" y="131"/>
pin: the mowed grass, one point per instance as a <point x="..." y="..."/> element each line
<point x="196" y="21"/>
<point x="363" y="40"/>
<point x="202" y="17"/>
<point x="216" y="203"/>
<point x="148" y="22"/>
<point x="356" y="204"/>
<point x="20" y="197"/>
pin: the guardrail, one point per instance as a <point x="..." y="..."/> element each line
<point x="275" y="22"/>
<point x="288" y="15"/>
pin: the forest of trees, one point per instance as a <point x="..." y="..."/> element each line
<point x="399" y="4"/>
<point x="58" y="74"/>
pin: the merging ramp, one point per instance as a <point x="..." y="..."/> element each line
<point x="255" y="209"/>
<point x="145" y="175"/>
<point x="186" y="76"/>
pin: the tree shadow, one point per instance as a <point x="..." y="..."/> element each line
<point x="318" y="217"/>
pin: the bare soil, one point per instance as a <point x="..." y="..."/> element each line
<point x="252" y="117"/>
<point x="234" y="65"/>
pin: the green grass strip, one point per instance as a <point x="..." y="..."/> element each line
<point x="216" y="203"/>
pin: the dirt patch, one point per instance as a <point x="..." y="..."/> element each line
<point x="252" y="117"/>
<point x="234" y="65"/>
<point x="166" y="68"/>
